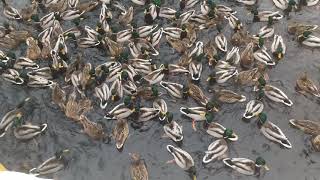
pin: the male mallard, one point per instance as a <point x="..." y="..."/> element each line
<point x="121" y="111"/>
<point x="195" y="70"/>
<point x="51" y="165"/>
<point x="253" y="108"/>
<point x="13" y="76"/>
<point x="221" y="42"/>
<point x="262" y="56"/>
<point x="120" y="132"/>
<point x="174" y="89"/>
<point x="116" y="90"/>
<point x="161" y="105"/>
<point x="92" y="129"/>
<point x="103" y="93"/>
<point x="266" y="31"/>
<point x="218" y="131"/>
<point x="278" y="47"/>
<point x="155" y="76"/>
<point x="25" y="63"/>
<point x="150" y="14"/>
<point x="182" y="158"/>
<point x="146" y="114"/>
<point x="138" y="168"/>
<point x="172" y="14"/>
<point x="309" y="40"/>
<point x="233" y="56"/>
<point x="172" y="129"/>
<point x="197" y="114"/>
<point x="307" y="126"/>
<point x="28" y="131"/>
<point x="248" y="2"/>
<point x="305" y="85"/>
<point x="126" y="15"/>
<point x="275" y="94"/>
<point x="264" y="15"/>
<point x="246" y="166"/>
<point x="272" y="132"/>
<point x="10" y="12"/>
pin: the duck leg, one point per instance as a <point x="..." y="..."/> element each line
<point x="194" y="125"/>
<point x="172" y="161"/>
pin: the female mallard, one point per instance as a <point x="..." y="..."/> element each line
<point x="305" y="85"/>
<point x="246" y="58"/>
<point x="195" y="92"/>
<point x="297" y="28"/>
<point x="218" y="131"/>
<point x="307" y="126"/>
<point x="253" y="108"/>
<point x="278" y="47"/>
<point x="33" y="50"/>
<point x="73" y="108"/>
<point x="246" y="166"/>
<point x="10" y="12"/>
<point x="10" y="117"/>
<point x="161" y="105"/>
<point x="103" y="93"/>
<point x="172" y="129"/>
<point x="216" y="150"/>
<point x="272" y="132"/>
<point x="228" y="96"/>
<point x="174" y="89"/>
<point x="51" y="165"/>
<point x="309" y="40"/>
<point x="28" y="131"/>
<point x="126" y="15"/>
<point x="92" y="129"/>
<point x="120" y="132"/>
<point x="275" y="94"/>
<point x="138" y="168"/>
<point x="58" y="96"/>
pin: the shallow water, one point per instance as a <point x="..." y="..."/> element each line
<point x="95" y="160"/>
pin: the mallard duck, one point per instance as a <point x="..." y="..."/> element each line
<point x="248" y="2"/>
<point x="221" y="42"/>
<point x="116" y="90"/>
<point x="196" y="93"/>
<point x="253" y="108"/>
<point x="25" y="63"/>
<point x="307" y="126"/>
<point x="126" y="15"/>
<point x="272" y="132"/>
<point x="73" y="108"/>
<point x="150" y="14"/>
<point x="216" y="150"/>
<point x="240" y="37"/>
<point x="142" y="48"/>
<point x="138" y="167"/>
<point x="148" y="92"/>
<point x="103" y="93"/>
<point x="130" y="88"/>
<point x="222" y="75"/>
<point x="33" y="50"/>
<point x="246" y="166"/>
<point x="197" y="114"/>
<point x="10" y="117"/>
<point x="187" y="4"/>
<point x="28" y="131"/>
<point x="316" y="143"/>
<point x="10" y="12"/>
<point x="218" y="131"/>
<point x="120" y="112"/>
<point x="172" y="129"/>
<point x="233" y="56"/>
<point x="13" y="76"/>
<point x="297" y="28"/>
<point x="309" y="40"/>
<point x="246" y="58"/>
<point x="174" y="89"/>
<point x="262" y="56"/>
<point x="305" y="85"/>
<point x="278" y="47"/>
<point x="275" y="94"/>
<point x="211" y="53"/>
<point x="161" y="105"/>
<point x="58" y="96"/>
<point x="195" y="70"/>
<point x="281" y="4"/>
<point x="179" y="45"/>
<point x="92" y="129"/>
<point x="228" y="96"/>
<point x="120" y="132"/>
<point x="266" y="31"/>
<point x="146" y="114"/>
<point x="155" y="76"/>
<point x="7" y="175"/>
<point x="88" y="6"/>
<point x="264" y="15"/>
<point x="172" y="14"/>
<point x="51" y="165"/>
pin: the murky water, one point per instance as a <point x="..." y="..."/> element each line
<point x="95" y="160"/>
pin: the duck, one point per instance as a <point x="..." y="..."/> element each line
<point x="13" y="76"/>
<point x="126" y="15"/>
<point x="228" y="96"/>
<point x="172" y="129"/>
<point x="178" y="45"/>
<point x="142" y="48"/>
<point x="187" y="4"/>
<point x="146" y="114"/>
<point x="10" y="12"/>
<point x="218" y="131"/>
<point x="263" y="56"/>
<point x="263" y="16"/>
<point x="138" y="167"/>
<point x="197" y="114"/>
<point x="275" y="94"/>
<point x="120" y="132"/>
<point x="92" y="129"/>
<point x="246" y="166"/>
<point x="217" y="150"/>
<point x="195" y="69"/>
<point x="51" y="165"/>
<point x="28" y="131"/>
<point x="58" y="96"/>
<point x="307" y="126"/>
<point x="246" y="58"/>
<point x="266" y="31"/>
<point x="278" y="47"/>
<point x="297" y="28"/>
<point x="221" y="42"/>
<point x="6" y="175"/>
<point x="25" y="63"/>
<point x="120" y="111"/>
<point x="248" y="77"/>
<point x="161" y="106"/>
<point x="195" y="92"/>
<point x="272" y="131"/>
<point x="248" y="2"/>
<point x="253" y="108"/>
<point x="174" y="69"/>
<point x="36" y="81"/>
<point x="149" y="92"/>
<point x="211" y="53"/>
<point x="155" y="76"/>
<point x="305" y="85"/>
<point x="233" y="56"/>
<point x="10" y="117"/>
<point x="103" y="93"/>
<point x="309" y="40"/>
<point x="33" y="50"/>
<point x="150" y="14"/>
<point x="315" y="141"/>
<point x="173" y="89"/>
<point x="181" y="157"/>
<point x="73" y="108"/>
<point x="281" y="4"/>
<point x="166" y="12"/>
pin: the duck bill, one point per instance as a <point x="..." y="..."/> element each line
<point x="215" y="109"/>
<point x="266" y="167"/>
<point x="2" y="167"/>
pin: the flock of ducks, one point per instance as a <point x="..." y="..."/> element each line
<point x="130" y="78"/>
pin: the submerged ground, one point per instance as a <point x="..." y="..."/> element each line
<point x="95" y="160"/>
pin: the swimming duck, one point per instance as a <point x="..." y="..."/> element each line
<point x="166" y="12"/>
<point x="233" y="56"/>
<point x="221" y="42"/>
<point x="172" y="129"/>
<point x="148" y="92"/>
<point x="13" y="76"/>
<point x="182" y="158"/>
<point x="316" y="143"/>
<point x="216" y="150"/>
<point x="266" y="31"/>
<point x="253" y="108"/>
<point x="305" y="85"/>
<point x="10" y="117"/>
<point x="187" y="4"/>
<point x="151" y="13"/>
<point x="218" y="131"/>
<point x="116" y="90"/>
<point x="272" y="132"/>
<point x="197" y="114"/>
<point x="161" y="106"/>
<point x="33" y="50"/>
<point x="246" y="58"/>
<point x="248" y="2"/>
<point x="278" y="47"/>
<point x="92" y="129"/>
<point x="155" y="76"/>
<point x="120" y="132"/>
<point x="126" y="15"/>
<point x="120" y="112"/>
<point x="275" y="94"/>
<point x="264" y="15"/>
<point x="224" y="72"/>
<point x="58" y="96"/>
<point x="28" y="131"/>
<point x="74" y="108"/>
<point x="228" y="96"/>
<point x="195" y="92"/>
<point x="195" y="69"/>
<point x="25" y="63"/>
<point x="146" y="114"/>
<point x="103" y="93"/>
<point x="297" y="28"/>
<point x="281" y="4"/>
<point x="307" y="126"/>
<point x="309" y="40"/>
<point x="178" y="45"/>
<point x="174" y="89"/>
<point x="155" y="37"/>
<point x="10" y="12"/>
<point x="138" y="167"/>
<point x="211" y="53"/>
<point x="142" y="48"/>
<point x="246" y="166"/>
<point x="262" y="56"/>
<point x="51" y="165"/>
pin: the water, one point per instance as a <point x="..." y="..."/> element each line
<point x="95" y="160"/>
